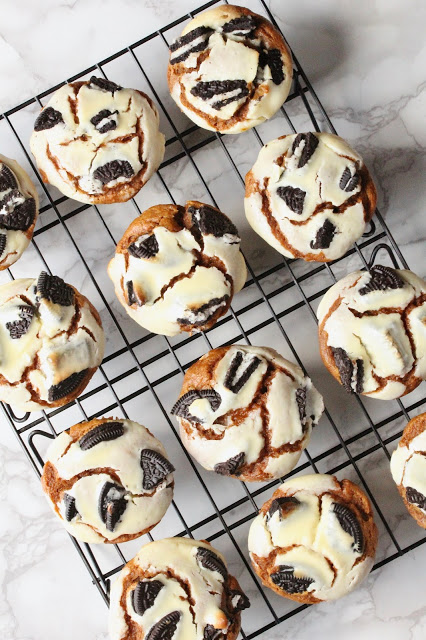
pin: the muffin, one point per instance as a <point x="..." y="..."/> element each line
<point x="310" y="196"/>
<point x="18" y="211"/>
<point x="372" y="332"/>
<point x="314" y="540"/>
<point x="408" y="467"/>
<point x="108" y="480"/>
<point x="230" y="70"/>
<point x="176" y="268"/>
<point x="246" y="412"/>
<point x="97" y="142"/>
<point x="179" y="589"/>
<point x="51" y="342"/>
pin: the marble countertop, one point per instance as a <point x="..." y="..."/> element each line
<point x="366" y="60"/>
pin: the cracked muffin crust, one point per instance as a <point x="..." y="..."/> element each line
<point x="310" y="196"/>
<point x="230" y="69"/>
<point x="18" y="211"/>
<point x="97" y="142"/>
<point x="246" y="412"/>
<point x="408" y="467"/>
<point x="51" y="340"/>
<point x="176" y="589"/>
<point x="314" y="540"/>
<point x="372" y="332"/>
<point x="108" y="480"/>
<point x="177" y="268"/>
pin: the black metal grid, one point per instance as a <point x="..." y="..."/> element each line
<point x="274" y="294"/>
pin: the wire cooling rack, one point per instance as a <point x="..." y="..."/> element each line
<point x="141" y="373"/>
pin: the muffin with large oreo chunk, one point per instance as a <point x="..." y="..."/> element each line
<point x="176" y="589"/>
<point x="108" y="480"/>
<point x="176" y="267"/>
<point x="230" y="70"/>
<point x="97" y="142"/>
<point x="51" y="342"/>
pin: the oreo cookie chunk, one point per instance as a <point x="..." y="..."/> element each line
<point x="408" y="468"/>
<point x="51" y="341"/>
<point x="176" y="267"/>
<point x="18" y="211"/>
<point x="162" y="594"/>
<point x="371" y="332"/>
<point x="229" y="70"/>
<point x="315" y="539"/>
<point x="251" y="414"/>
<point x="98" y="142"/>
<point x="310" y="196"/>
<point x="99" y="485"/>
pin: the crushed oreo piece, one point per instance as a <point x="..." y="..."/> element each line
<point x="310" y="142"/>
<point x="211" y="221"/>
<point x="272" y="58"/>
<point x="20" y="217"/>
<point x="349" y="523"/>
<point x="165" y="628"/>
<point x="101" y="433"/>
<point x="7" y="178"/>
<point x="105" y="85"/>
<point x="230" y="467"/>
<point x="70" y="508"/>
<point x="113" y="170"/>
<point x="285" y="504"/>
<point x="181" y="407"/>
<point x="243" y="26"/>
<point x="381" y="279"/>
<point x="144" y="595"/>
<point x="103" y="122"/>
<point x="67" y="386"/>
<point x="210" y="89"/>
<point x="209" y="560"/>
<point x="131" y="297"/>
<point x="184" y="42"/>
<point x="147" y="248"/>
<point x="211" y="633"/>
<point x="234" y="383"/>
<point x="285" y="579"/>
<point x="205" y="312"/>
<point x="19" y="328"/>
<point x="351" y="374"/>
<point x="112" y="504"/>
<point x="48" y="119"/>
<point x="415" y="497"/>
<point x="55" y="290"/>
<point x="349" y="182"/>
<point x="237" y="600"/>
<point x="293" y="197"/>
<point x="301" y="403"/>
<point x="155" y="468"/>
<point x="324" y="236"/>
<point x="3" y="242"/>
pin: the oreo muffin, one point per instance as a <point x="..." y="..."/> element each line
<point x="246" y="412"/>
<point x="176" y="589"/>
<point x="97" y="142"/>
<point x="310" y="196"/>
<point x="408" y="467"/>
<point x="176" y="268"/>
<point x="230" y="70"/>
<point x="18" y="211"/>
<point x="314" y="540"/>
<point x="372" y="332"/>
<point x="51" y="342"/>
<point x="108" y="480"/>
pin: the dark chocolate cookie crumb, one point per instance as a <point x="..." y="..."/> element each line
<point x="284" y="505"/>
<point x="231" y="466"/>
<point x="48" y="119"/>
<point x="144" y="595"/>
<point x="67" y="386"/>
<point x="211" y="88"/>
<point x="415" y="497"/>
<point x="211" y="633"/>
<point x="101" y="433"/>
<point x="204" y="313"/>
<point x="243" y="26"/>
<point x="21" y="217"/>
<point x="324" y="236"/>
<point x="7" y="179"/>
<point x="165" y="628"/>
<point x="211" y="221"/>
<point x="285" y="579"/>
<point x="272" y="58"/>
<point x="3" y="242"/>
<point x="348" y="370"/>
<point x="105" y="85"/>
<point x="349" y="182"/>
<point x="103" y="121"/>
<point x="293" y="197"/>
<point x="237" y="600"/>
<point x="231" y="381"/>
<point x="301" y="403"/>
<point x="155" y="468"/>
<point x="19" y="328"/>
<point x="70" y="508"/>
<point x="381" y="279"/>
<point x="113" y="170"/>
<point x="209" y="560"/>
<point x="310" y="142"/>
<point x="112" y="504"/>
<point x="200" y="32"/>
<point x="147" y="248"/>
<point x="181" y="407"/>
<point x="55" y="290"/>
<point x="349" y="523"/>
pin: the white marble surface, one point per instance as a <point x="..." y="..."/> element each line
<point x="366" y="60"/>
